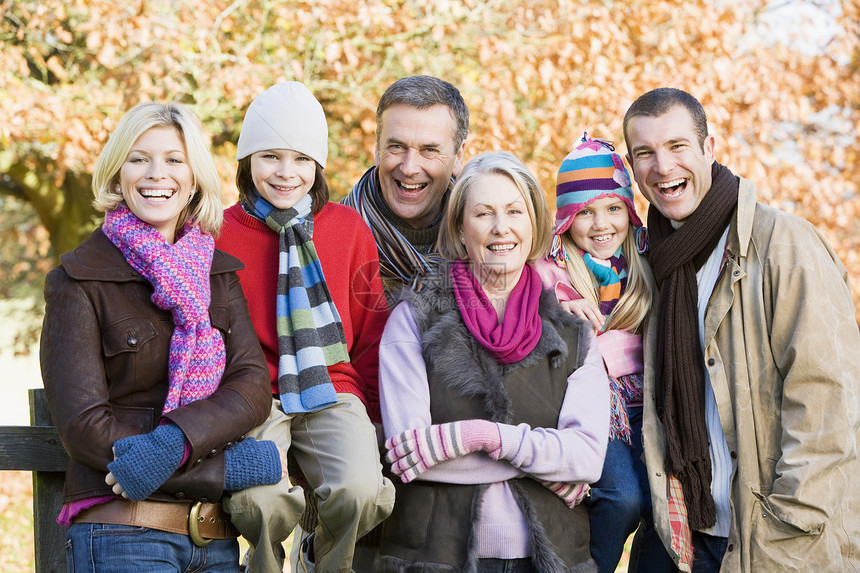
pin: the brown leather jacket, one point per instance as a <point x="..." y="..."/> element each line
<point x="104" y="359"/>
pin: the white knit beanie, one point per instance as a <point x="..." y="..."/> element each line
<point x="285" y="116"/>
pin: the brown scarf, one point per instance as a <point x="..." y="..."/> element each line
<point x="676" y="255"/>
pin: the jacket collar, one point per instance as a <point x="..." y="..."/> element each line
<point x="97" y="259"/>
<point x="741" y="229"/>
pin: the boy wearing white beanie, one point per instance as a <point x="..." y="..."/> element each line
<point x="312" y="282"/>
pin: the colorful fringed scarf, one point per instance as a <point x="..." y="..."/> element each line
<point x="622" y="391"/>
<point x="398" y="258"/>
<point x="310" y="333"/>
<point x="179" y="275"/>
<point x="611" y="275"/>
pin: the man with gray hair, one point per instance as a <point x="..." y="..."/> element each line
<point x="421" y="128"/>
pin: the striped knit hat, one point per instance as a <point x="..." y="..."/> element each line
<point x="591" y="171"/>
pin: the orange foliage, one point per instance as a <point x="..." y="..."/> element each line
<point x="535" y="74"/>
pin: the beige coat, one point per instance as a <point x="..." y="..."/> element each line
<point x="783" y="352"/>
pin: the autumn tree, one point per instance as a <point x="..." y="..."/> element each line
<point x="535" y="74"/>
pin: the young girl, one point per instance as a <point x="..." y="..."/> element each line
<point x="597" y="270"/>
<point x="312" y="281"/>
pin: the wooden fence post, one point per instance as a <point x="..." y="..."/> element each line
<point x="48" y="476"/>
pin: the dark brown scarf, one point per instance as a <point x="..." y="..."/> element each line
<point x="676" y="255"/>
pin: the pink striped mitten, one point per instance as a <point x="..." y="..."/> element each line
<point x="414" y="451"/>
<point x="570" y="493"/>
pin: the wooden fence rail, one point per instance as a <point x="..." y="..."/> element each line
<point x="37" y="448"/>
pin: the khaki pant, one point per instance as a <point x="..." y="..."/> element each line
<point x="336" y="449"/>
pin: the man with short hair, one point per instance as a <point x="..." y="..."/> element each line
<point x="753" y="363"/>
<point x="421" y="128"/>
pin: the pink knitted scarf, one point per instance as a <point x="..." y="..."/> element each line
<point x="512" y="339"/>
<point x="179" y="275"/>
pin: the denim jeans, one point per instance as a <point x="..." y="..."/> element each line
<point x="506" y="566"/>
<point x="619" y="500"/>
<point x="708" y="552"/>
<point x="647" y="554"/>
<point x="107" y="548"/>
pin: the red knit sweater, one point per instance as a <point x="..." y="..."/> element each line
<point x="349" y="259"/>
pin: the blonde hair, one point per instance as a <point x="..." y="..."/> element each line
<point x="634" y="304"/>
<point x="205" y="208"/>
<point x="496" y="163"/>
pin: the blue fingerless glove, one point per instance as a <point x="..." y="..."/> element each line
<point x="251" y="463"/>
<point x="144" y="462"/>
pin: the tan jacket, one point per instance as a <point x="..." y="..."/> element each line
<point x="783" y="352"/>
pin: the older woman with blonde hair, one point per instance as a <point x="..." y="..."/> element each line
<point x="149" y="360"/>
<point x="494" y="400"/>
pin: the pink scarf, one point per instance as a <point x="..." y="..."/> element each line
<point x="179" y="274"/>
<point x="511" y="340"/>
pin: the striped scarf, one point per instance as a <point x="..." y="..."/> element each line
<point x="611" y="275"/>
<point x="179" y="275"/>
<point x="310" y="333"/>
<point x="398" y="258"/>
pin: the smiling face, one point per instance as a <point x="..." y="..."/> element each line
<point x="672" y="169"/>
<point x="282" y="176"/>
<point x="496" y="231"/>
<point x="416" y="159"/>
<point x="600" y="228"/>
<point x="156" y="180"/>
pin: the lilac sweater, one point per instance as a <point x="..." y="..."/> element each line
<point x="573" y="452"/>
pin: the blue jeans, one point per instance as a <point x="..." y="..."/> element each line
<point x="107" y="548"/>
<point x="619" y="500"/>
<point x="708" y="552"/>
<point x="647" y="554"/>
<point x="506" y="566"/>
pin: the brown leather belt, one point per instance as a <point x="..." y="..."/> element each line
<point x="201" y="521"/>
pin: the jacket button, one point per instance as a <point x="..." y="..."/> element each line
<point x="229" y="331"/>
<point x="711" y="361"/>
<point x="203" y="500"/>
<point x="131" y="341"/>
<point x="737" y="273"/>
<point x="198" y="462"/>
<point x="734" y="455"/>
<point x="213" y="453"/>
<point x="180" y="495"/>
<point x="731" y="547"/>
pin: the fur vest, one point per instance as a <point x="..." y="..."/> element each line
<point x="432" y="528"/>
